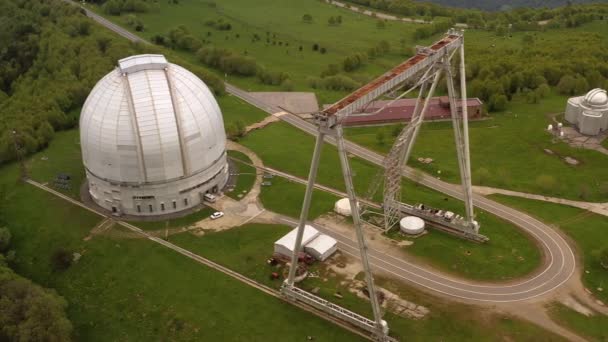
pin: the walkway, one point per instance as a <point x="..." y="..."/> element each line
<point x="598" y="208"/>
<point x="376" y="14"/>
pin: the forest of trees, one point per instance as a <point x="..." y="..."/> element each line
<point x="28" y="312"/>
<point x="570" y="64"/>
<point x="51" y="57"/>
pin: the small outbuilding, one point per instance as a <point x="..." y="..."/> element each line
<point x="322" y="247"/>
<point x="286" y="245"/>
<point x="411" y="225"/>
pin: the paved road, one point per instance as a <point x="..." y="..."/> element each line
<point x="560" y="262"/>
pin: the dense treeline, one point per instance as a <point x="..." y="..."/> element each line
<point x="28" y="312"/>
<point x="51" y="57"/>
<point x="570" y="64"/>
<point x="520" y="19"/>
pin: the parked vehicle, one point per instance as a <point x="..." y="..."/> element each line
<point x="210" y="198"/>
<point x="216" y="215"/>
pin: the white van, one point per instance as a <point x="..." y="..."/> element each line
<point x="209" y="198"/>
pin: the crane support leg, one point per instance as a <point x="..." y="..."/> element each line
<point x="461" y="147"/>
<point x="312" y="176"/>
<point x="382" y="328"/>
<point x="465" y="130"/>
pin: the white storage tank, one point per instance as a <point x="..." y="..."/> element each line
<point x="411" y="225"/>
<point x="342" y="207"/>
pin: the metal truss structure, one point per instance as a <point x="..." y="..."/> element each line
<point x="430" y="62"/>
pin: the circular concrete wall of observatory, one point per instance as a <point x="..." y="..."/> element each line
<point x="152" y="138"/>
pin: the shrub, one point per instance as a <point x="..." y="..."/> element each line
<point x="545" y="182"/>
<point x="271" y="77"/>
<point x="5" y="239"/>
<point x="61" y="260"/>
<point x="287" y="85"/>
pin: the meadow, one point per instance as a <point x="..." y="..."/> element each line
<point x="593" y="328"/>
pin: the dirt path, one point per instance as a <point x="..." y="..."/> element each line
<point x="598" y="208"/>
<point x="376" y="14"/>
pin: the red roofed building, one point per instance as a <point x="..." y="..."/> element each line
<point x="402" y="110"/>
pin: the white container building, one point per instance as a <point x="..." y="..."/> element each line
<point x="322" y="247"/>
<point x="286" y="245"/>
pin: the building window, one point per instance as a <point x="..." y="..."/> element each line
<point x="174" y="204"/>
<point x="162" y="206"/>
<point x="150" y="207"/>
<point x="185" y="201"/>
<point x="139" y="208"/>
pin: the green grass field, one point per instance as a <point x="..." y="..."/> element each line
<point x="246" y="175"/>
<point x="509" y="253"/>
<point x="284" y="26"/>
<point x="594" y="328"/>
<point x="285" y="197"/>
<point x="588" y="231"/>
<point x="235" y="109"/>
<point x="180" y="222"/>
<point x="246" y="248"/>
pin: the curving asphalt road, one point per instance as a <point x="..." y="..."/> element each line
<point x="560" y="262"/>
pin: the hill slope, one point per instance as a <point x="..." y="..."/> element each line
<point x="496" y="5"/>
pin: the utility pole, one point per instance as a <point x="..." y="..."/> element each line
<point x="20" y="154"/>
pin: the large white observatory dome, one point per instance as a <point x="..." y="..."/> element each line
<point x="152" y="138"/>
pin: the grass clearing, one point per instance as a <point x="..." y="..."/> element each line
<point x="286" y="32"/>
<point x="509" y="254"/>
<point x="246" y="175"/>
<point x="594" y="328"/>
<point x="179" y="222"/>
<point x="285" y="197"/>
<point x="587" y="229"/>
<point x="235" y="109"/>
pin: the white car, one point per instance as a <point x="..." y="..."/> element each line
<point x="216" y="215"/>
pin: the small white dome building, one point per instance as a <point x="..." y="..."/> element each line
<point x="152" y="138"/>
<point x="411" y="225"/>
<point x="589" y="113"/>
<point x="342" y="207"/>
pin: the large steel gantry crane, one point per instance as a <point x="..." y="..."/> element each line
<point x="426" y="69"/>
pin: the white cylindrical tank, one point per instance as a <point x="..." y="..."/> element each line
<point x="411" y="225"/>
<point x="342" y="207"/>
